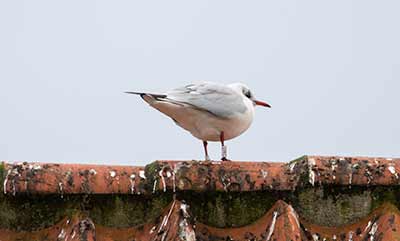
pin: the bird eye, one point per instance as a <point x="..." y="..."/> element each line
<point x="247" y="93"/>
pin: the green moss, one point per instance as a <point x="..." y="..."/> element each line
<point x="152" y="168"/>
<point x="339" y="205"/>
<point x="35" y="212"/>
<point x="297" y="160"/>
<point x="324" y="206"/>
<point x="229" y="209"/>
<point x="7" y="214"/>
<point x="382" y="194"/>
<point x="151" y="171"/>
<point x="304" y="180"/>
<point x="301" y="171"/>
<point x="2" y="176"/>
<point x="334" y="206"/>
<point x="117" y="212"/>
<point x="126" y="210"/>
<point x="156" y="205"/>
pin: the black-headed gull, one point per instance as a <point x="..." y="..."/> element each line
<point x="209" y="111"/>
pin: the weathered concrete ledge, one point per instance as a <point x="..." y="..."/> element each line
<point x="310" y="198"/>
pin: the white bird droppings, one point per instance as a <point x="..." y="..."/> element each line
<point x="160" y="173"/>
<point x="311" y="164"/>
<point x="368" y="226"/>
<point x="350" y="177"/>
<point x="294" y="215"/>
<point x="62" y="234"/>
<point x="272" y="227"/>
<point x="61" y="188"/>
<point x="291" y="166"/>
<point x="373" y="231"/>
<point x="264" y="174"/>
<point x="184" y="210"/>
<point x="165" y="219"/>
<point x="154" y="186"/>
<point x="185" y="232"/>
<point x="132" y="180"/>
<point x="152" y="229"/>
<point x="142" y="174"/>
<point x="173" y="182"/>
<point x="334" y="165"/>
<point x="113" y="174"/>
<point x="315" y="237"/>
<point x="392" y="170"/>
<point x="351" y="236"/>
<point x="5" y="181"/>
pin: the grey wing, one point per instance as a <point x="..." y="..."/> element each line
<point x="217" y="99"/>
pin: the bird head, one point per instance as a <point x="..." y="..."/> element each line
<point x="247" y="93"/>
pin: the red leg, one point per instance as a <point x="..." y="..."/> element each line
<point x="207" y="157"/>
<point x="223" y="147"/>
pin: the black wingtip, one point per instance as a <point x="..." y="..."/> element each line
<point x="156" y="96"/>
<point x="136" y="93"/>
<point x="133" y="93"/>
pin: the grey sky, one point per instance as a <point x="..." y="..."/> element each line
<point x="330" y="70"/>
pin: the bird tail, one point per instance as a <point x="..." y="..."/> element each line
<point x="148" y="97"/>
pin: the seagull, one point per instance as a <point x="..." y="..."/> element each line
<point x="209" y="111"/>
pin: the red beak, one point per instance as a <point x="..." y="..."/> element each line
<point x="257" y="102"/>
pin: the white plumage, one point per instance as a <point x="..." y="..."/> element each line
<point x="209" y="111"/>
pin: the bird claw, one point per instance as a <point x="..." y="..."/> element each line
<point x="224" y="159"/>
<point x="208" y="158"/>
<point x="224" y="151"/>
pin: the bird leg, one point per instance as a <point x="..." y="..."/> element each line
<point x="207" y="157"/>
<point x="223" y="147"/>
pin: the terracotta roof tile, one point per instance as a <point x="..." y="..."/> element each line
<point x="374" y="180"/>
<point x="71" y="229"/>
<point x="354" y="170"/>
<point x="48" y="178"/>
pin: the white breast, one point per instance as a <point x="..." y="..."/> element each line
<point x="208" y="127"/>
